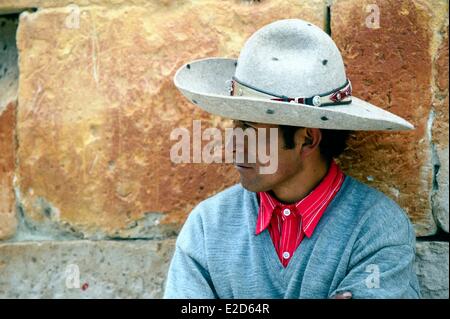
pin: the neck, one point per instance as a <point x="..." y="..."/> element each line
<point x="302" y="183"/>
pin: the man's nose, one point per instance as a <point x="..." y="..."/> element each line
<point x="235" y="144"/>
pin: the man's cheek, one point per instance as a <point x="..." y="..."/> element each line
<point x="268" y="153"/>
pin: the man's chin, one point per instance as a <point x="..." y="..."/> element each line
<point x="252" y="182"/>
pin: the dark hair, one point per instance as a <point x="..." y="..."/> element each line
<point x="332" y="144"/>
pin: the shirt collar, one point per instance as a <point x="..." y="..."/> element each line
<point x="309" y="208"/>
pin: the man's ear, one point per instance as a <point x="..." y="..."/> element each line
<point x="308" y="139"/>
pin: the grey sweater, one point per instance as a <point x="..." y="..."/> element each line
<point x="364" y="243"/>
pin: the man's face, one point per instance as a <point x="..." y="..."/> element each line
<point x="289" y="162"/>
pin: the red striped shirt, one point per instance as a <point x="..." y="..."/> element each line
<point x="289" y="223"/>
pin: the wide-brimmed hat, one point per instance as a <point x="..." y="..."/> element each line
<point x="289" y="72"/>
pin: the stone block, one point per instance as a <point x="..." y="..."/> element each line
<point x="432" y="269"/>
<point x="97" y="105"/>
<point x="389" y="61"/>
<point x="84" y="269"/>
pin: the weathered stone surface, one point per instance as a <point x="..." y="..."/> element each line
<point x="84" y="269"/>
<point x="9" y="72"/>
<point x="7" y="6"/>
<point x="8" y="100"/>
<point x="440" y="131"/>
<point x="441" y="195"/>
<point x="391" y="66"/>
<point x="8" y="220"/>
<point x="432" y="269"/>
<point x="97" y="105"/>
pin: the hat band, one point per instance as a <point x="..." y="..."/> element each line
<point x="342" y="95"/>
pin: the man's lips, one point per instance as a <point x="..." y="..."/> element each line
<point x="242" y="165"/>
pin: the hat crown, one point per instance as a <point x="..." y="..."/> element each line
<point x="293" y="58"/>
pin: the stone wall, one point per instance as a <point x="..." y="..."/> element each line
<point x="90" y="204"/>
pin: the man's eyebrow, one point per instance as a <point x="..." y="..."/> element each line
<point x="248" y="123"/>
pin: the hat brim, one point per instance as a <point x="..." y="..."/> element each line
<point x="206" y="83"/>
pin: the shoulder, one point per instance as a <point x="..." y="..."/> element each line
<point x="217" y="211"/>
<point x="381" y="216"/>
<point x="229" y="198"/>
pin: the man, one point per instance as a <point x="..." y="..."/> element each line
<point x="306" y="230"/>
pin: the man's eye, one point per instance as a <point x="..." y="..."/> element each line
<point x="246" y="126"/>
<point x="242" y="125"/>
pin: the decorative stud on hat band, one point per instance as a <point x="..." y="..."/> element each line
<point x="342" y="95"/>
